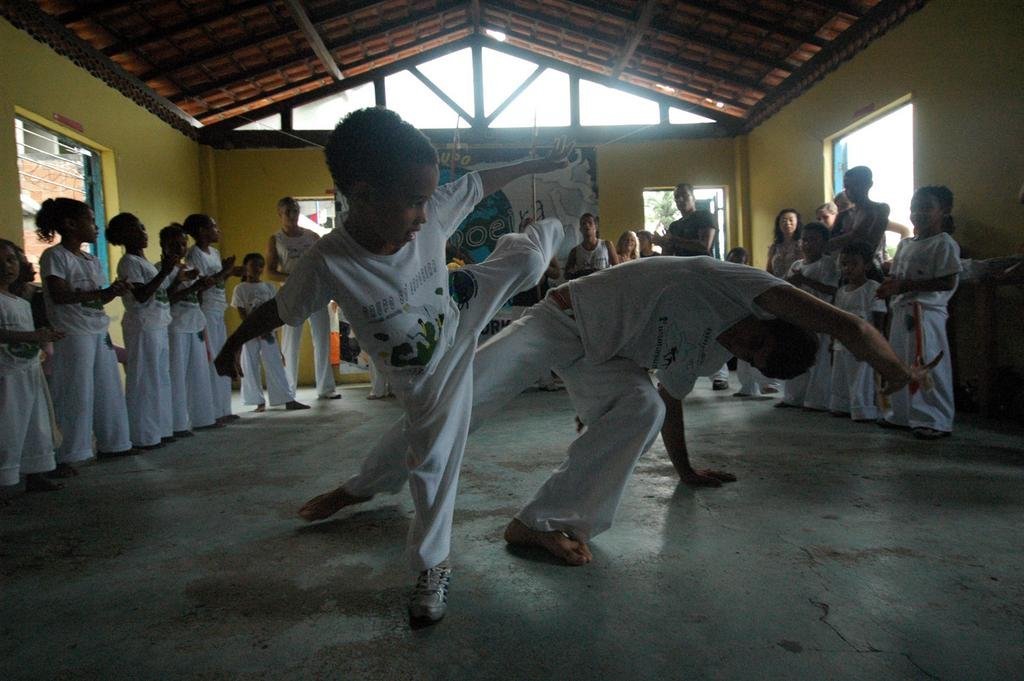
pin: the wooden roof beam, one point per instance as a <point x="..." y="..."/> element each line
<point x="164" y="32"/>
<point x="643" y="22"/>
<point x="298" y="12"/>
<point x="838" y="7"/>
<point x="88" y="10"/>
<point x="760" y="24"/>
<point x="474" y="15"/>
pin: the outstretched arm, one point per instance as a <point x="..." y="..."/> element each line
<point x="261" y="321"/>
<point x="494" y="179"/>
<point x="673" y="434"/>
<point x="857" y="335"/>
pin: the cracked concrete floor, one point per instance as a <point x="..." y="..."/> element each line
<point x="843" y="552"/>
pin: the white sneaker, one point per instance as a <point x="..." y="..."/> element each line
<point x="429" y="598"/>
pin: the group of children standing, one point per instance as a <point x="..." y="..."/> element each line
<point x="173" y="326"/>
<point x="921" y="279"/>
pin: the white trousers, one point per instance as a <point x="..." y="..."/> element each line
<point x="924" y="409"/>
<point x="220" y="386"/>
<point x="148" y="385"/>
<point x="426" y="446"/>
<point x="278" y="389"/>
<point x="853" y="387"/>
<point x="191" y="392"/>
<point x="813" y="388"/>
<point x="291" y="341"/>
<point x="87" y="397"/>
<point x="26" y="443"/>
<point x="380" y="386"/>
<point x="750" y="378"/>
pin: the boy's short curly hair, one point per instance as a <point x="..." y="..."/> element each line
<point x="374" y="145"/>
<point x="859" y="248"/>
<point x="118" y="227"/>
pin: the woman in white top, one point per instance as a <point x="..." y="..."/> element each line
<point x="87" y="395"/>
<point x="284" y="250"/>
<point x="592" y="254"/>
<point x="205" y="259"/>
<point x="147" y="314"/>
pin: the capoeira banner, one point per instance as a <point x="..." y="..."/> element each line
<point x="565" y="194"/>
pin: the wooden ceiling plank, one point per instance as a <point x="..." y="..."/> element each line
<point x="313" y="38"/>
<point x="636" y="33"/>
<point x="165" y="32"/>
<point x="87" y="10"/>
<point x="760" y="24"/>
<point x="722" y="46"/>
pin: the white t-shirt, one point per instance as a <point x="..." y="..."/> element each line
<point x="186" y="315"/>
<point x="248" y="296"/>
<point x="398" y="304"/>
<point x="823" y="270"/>
<point x="156" y="311"/>
<point x="16" y="315"/>
<point x="666" y="313"/>
<point x="596" y="259"/>
<point x="860" y="302"/>
<point x="81" y="272"/>
<point x="291" y="248"/>
<point x="929" y="258"/>
<point x="214" y="299"/>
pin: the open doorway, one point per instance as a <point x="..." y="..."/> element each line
<point x="660" y="211"/>
<point x="886" y="145"/>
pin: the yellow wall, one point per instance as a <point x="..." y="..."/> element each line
<point x="156" y="167"/>
<point x="625" y="169"/>
<point x="961" y="63"/>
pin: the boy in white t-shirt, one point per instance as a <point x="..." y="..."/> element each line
<point x="247" y="296"/>
<point x="853" y="381"/>
<point x="819" y="276"/>
<point x="386" y="269"/>
<point x="923" y="278"/>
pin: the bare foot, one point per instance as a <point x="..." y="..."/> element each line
<point x="705" y="477"/>
<point x="293" y="405"/>
<point x="327" y="504"/>
<point x="63" y="470"/>
<point x="260" y="408"/>
<point x="37" y="482"/>
<point x="558" y="544"/>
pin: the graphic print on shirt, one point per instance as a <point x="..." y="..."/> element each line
<point x="682" y="349"/>
<point x="425" y="339"/>
<point x="462" y="286"/>
<point x="26" y="350"/>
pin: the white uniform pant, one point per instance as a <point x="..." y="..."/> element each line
<point x="291" y="337"/>
<point x="87" y="397"/>
<point x="925" y="409"/>
<point x="278" y="389"/>
<point x="750" y="379"/>
<point x="380" y="386"/>
<point x="431" y="436"/>
<point x="26" y="443"/>
<point x="191" y="392"/>
<point x="853" y="386"/>
<point x="220" y="386"/>
<point x="812" y="389"/>
<point x="148" y="385"/>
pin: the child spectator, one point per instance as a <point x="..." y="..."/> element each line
<point x="191" y="390"/>
<point x="646" y="240"/>
<point x="853" y="381"/>
<point x="26" y="446"/>
<point x="819" y="276"/>
<point x="88" y="398"/>
<point x="922" y="279"/>
<point x="247" y="296"/>
<point x="147" y="314"/>
<point x="205" y="259"/>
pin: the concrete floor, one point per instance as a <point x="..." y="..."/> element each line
<point x="843" y="552"/>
